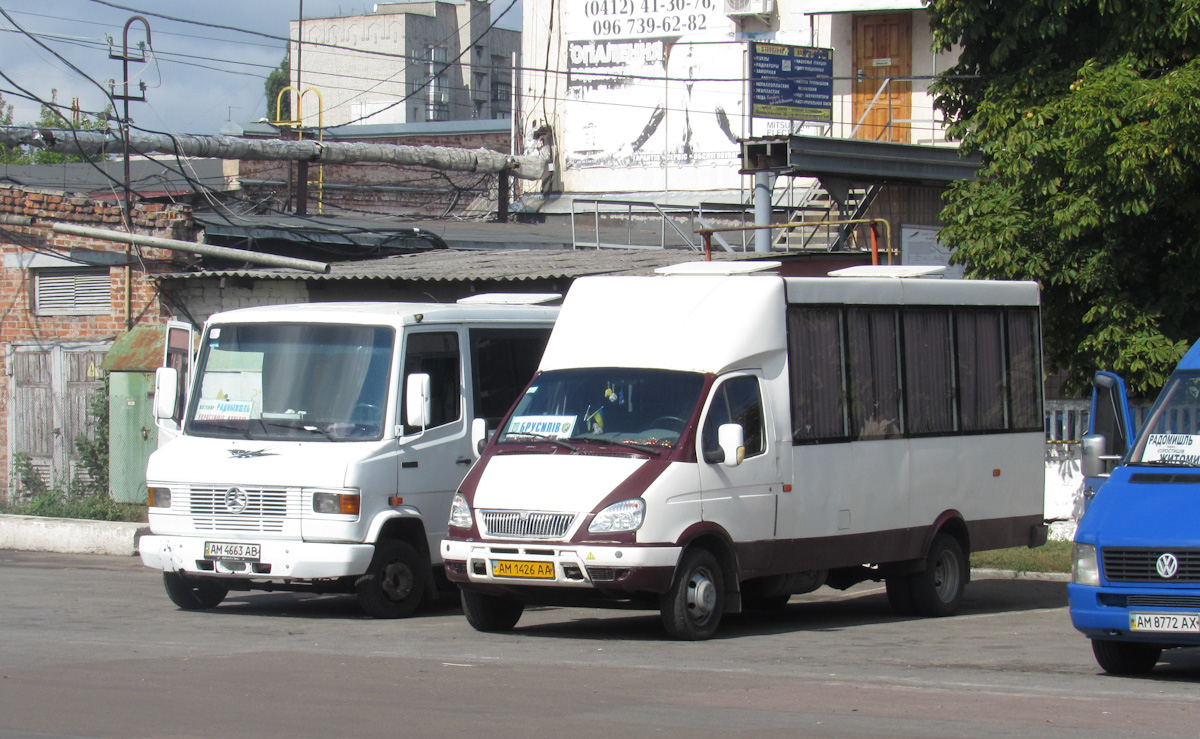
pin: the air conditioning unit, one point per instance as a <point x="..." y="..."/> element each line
<point x="738" y="8"/>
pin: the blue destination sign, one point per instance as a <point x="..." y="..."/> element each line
<point x="794" y="82"/>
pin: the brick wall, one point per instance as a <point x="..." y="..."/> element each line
<point x="384" y="188"/>
<point x="26" y="220"/>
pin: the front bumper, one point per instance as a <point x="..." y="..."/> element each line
<point x="612" y="568"/>
<point x="1104" y="612"/>
<point x="278" y="560"/>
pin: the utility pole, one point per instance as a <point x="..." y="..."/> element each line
<point x="125" y="97"/>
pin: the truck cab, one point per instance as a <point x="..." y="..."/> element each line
<point x="1135" y="581"/>
<point x="319" y="445"/>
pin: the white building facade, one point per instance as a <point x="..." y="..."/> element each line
<point x="405" y="62"/>
<point x="644" y="96"/>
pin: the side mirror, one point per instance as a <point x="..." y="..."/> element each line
<point x="1095" y="456"/>
<point x="732" y="440"/>
<point x="166" y="392"/>
<point x="479" y="437"/>
<point x="418" y="400"/>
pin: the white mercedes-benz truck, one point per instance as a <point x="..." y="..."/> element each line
<point x="319" y="446"/>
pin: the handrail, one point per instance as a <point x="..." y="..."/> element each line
<point x="707" y="234"/>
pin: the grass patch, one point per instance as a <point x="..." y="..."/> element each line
<point x="1053" y="556"/>
<point x="57" y="504"/>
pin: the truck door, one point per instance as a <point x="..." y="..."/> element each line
<point x="1111" y="419"/>
<point x="434" y="459"/>
<point x="741" y="499"/>
<point x="177" y="354"/>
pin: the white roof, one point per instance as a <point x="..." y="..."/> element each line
<point x="381" y="313"/>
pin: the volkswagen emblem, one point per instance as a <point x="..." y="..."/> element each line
<point x="1167" y="566"/>
<point x="236" y="501"/>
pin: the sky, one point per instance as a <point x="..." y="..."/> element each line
<point x="198" y="78"/>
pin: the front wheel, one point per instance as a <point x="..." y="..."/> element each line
<point x="491" y="613"/>
<point x="395" y="581"/>
<point x="194" y="593"/>
<point x="1124" y="657"/>
<point x="938" y="590"/>
<point x="691" y="609"/>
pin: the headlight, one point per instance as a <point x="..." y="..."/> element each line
<point x="1085" y="569"/>
<point x="460" y="512"/>
<point x="346" y="504"/>
<point x="159" y="497"/>
<point x="624" y="516"/>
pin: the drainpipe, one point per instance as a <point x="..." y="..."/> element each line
<point x="763" y="182"/>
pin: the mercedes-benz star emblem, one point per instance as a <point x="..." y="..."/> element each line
<point x="1167" y="566"/>
<point x="236" y="501"/>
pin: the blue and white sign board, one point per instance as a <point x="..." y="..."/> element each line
<point x="794" y="82"/>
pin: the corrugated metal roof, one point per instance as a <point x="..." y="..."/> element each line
<point x="453" y="265"/>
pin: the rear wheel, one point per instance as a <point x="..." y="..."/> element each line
<point x="491" y="613"/>
<point x="1125" y="658"/>
<point x="692" y="608"/>
<point x="938" y="590"/>
<point x="194" y="593"/>
<point x="395" y="581"/>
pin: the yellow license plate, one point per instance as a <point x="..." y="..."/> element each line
<point x="511" y="568"/>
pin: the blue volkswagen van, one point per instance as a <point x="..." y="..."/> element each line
<point x="1135" y="579"/>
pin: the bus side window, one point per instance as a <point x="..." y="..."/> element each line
<point x="736" y="400"/>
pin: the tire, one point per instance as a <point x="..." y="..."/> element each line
<point x="491" y="613"/>
<point x="899" y="595"/>
<point x="194" y="593"/>
<point x="1125" y="658"/>
<point x="691" y="609"/>
<point x="395" y="581"/>
<point x="938" y="590"/>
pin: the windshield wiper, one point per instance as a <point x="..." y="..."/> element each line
<point x="543" y="437"/>
<point x="298" y="427"/>
<point x="644" y="448"/>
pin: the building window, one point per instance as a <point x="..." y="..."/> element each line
<point x="71" y="291"/>
<point x="501" y="87"/>
<point x="437" y="105"/>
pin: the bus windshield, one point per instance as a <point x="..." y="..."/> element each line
<point x="631" y="407"/>
<point x="1171" y="435"/>
<point x="292" y="381"/>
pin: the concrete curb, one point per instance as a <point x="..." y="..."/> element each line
<point x="70" y="536"/>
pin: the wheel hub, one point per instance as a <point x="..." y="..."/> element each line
<point x="702" y="595"/>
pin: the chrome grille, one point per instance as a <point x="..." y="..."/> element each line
<point x="265" y="509"/>
<point x="1138" y="564"/>
<point x="526" y="524"/>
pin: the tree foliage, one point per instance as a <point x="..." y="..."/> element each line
<point x="1086" y="115"/>
<point x="278" y="79"/>
<point x="55" y="116"/>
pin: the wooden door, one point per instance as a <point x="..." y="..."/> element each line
<point x="49" y="407"/>
<point x="883" y="50"/>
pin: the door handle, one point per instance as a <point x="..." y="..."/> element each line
<point x="463" y="460"/>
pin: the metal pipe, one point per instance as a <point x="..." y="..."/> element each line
<point x="208" y="250"/>
<point x="762" y="211"/>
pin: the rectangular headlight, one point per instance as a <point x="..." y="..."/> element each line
<point x="159" y="497"/>
<point x="1085" y="567"/>
<point x="346" y="504"/>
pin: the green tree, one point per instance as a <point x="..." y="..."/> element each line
<point x="8" y="154"/>
<point x="278" y="79"/>
<point x="1087" y="116"/>
<point x="56" y="116"/>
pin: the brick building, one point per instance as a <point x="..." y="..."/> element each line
<point x="63" y="301"/>
<point x="370" y="189"/>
